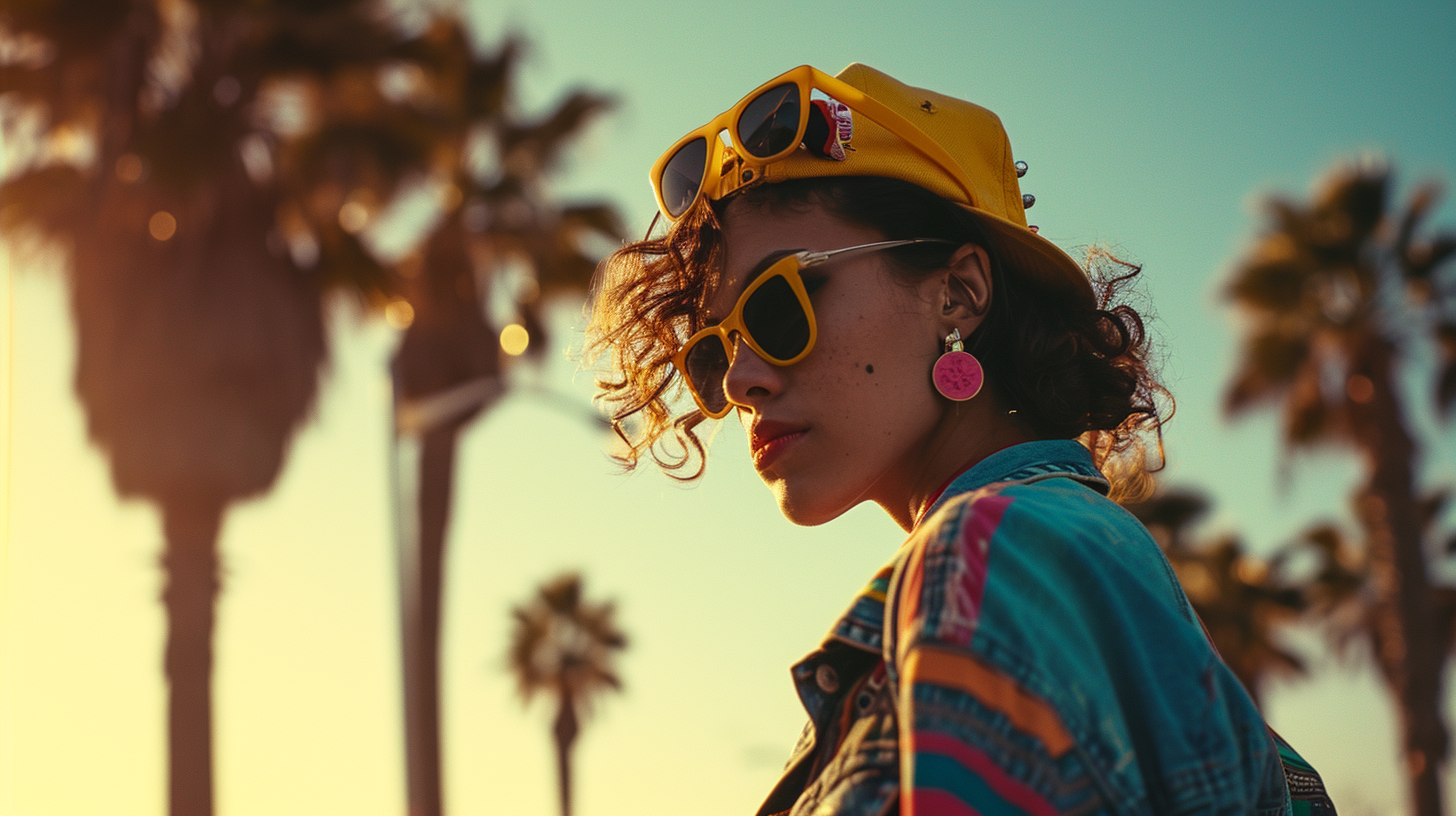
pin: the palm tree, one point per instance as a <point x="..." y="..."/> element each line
<point x="180" y="153"/>
<point x="499" y="234"/>
<point x="565" y="646"/>
<point x="1336" y="295"/>
<point x="1351" y="594"/>
<point x="1242" y="601"/>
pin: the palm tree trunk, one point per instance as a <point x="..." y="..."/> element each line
<point x="448" y="346"/>
<point x="1415" y="657"/>
<point x="565" y="732"/>
<point x="436" y="482"/>
<point x="191" y="563"/>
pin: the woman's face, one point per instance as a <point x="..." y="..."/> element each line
<point x="852" y="421"/>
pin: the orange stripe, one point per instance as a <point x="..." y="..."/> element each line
<point x="993" y="689"/>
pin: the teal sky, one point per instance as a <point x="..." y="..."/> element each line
<point x="1150" y="129"/>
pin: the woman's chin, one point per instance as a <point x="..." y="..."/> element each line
<point x="803" y="507"/>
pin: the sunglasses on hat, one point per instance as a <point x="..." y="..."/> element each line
<point x="766" y="126"/>
<point x="773" y="317"/>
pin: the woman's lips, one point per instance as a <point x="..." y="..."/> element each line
<point x="771" y="443"/>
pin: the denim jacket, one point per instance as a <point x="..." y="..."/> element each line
<point x="1030" y="651"/>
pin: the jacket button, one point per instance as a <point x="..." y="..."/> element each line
<point x="827" y="678"/>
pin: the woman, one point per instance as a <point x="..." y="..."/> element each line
<point x="852" y="273"/>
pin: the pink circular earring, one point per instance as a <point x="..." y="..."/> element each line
<point x="957" y="374"/>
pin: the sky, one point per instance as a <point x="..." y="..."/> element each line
<point x="1150" y="128"/>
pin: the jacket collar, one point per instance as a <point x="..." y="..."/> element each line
<point x="1025" y="463"/>
<point x="862" y="626"/>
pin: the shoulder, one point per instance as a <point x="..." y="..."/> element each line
<point x="1008" y="548"/>
<point x="1053" y="609"/>
<point x="968" y="712"/>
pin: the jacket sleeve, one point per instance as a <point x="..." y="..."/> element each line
<point x="974" y="738"/>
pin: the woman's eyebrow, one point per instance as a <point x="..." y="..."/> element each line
<point x="757" y="269"/>
<point x="769" y="260"/>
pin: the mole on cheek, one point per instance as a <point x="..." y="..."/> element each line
<point x="869" y="369"/>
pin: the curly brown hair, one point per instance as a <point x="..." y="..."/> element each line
<point x="1072" y="366"/>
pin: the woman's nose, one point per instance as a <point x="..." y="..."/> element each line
<point x="750" y="379"/>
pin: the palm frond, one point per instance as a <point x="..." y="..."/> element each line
<point x="345" y="264"/>
<point x="1423" y="261"/>
<point x="563" y="272"/>
<point x="374" y="153"/>
<point x="489" y="81"/>
<point x="1272" y="281"/>
<point x="1289" y="219"/>
<point x="1309" y="418"/>
<point x="1271" y="362"/>
<point x="600" y="217"/>
<point x="563" y="594"/>
<point x="1351" y="206"/>
<point x="318" y="39"/>
<point x="1422" y="201"/>
<point x="76" y="25"/>
<point x="88" y="60"/>
<point x="1446" y="389"/>
<point x="535" y="149"/>
<point x="565" y="645"/>
<point x="1431" y="507"/>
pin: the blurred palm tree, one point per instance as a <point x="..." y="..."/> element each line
<point x="565" y="646"/>
<point x="500" y="239"/>
<point x="1336" y="296"/>
<point x="206" y="167"/>
<point x="1351" y="594"/>
<point x="1242" y="601"/>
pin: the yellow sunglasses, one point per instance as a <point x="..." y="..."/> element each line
<point x="766" y="126"/>
<point x="773" y="316"/>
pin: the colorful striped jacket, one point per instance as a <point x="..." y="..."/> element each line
<point x="1029" y="651"/>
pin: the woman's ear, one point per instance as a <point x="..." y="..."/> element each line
<point x="967" y="284"/>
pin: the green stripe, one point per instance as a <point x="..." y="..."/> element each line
<point x="934" y="770"/>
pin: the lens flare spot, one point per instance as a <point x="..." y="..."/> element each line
<point x="1251" y="571"/>
<point x="399" y="314"/>
<point x="353" y="216"/>
<point x="162" y="225"/>
<point x="1360" y="389"/>
<point x="129" y="167"/>
<point x="514" y="339"/>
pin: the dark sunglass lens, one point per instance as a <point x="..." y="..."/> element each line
<point x="770" y="122"/>
<point x="773" y="315"/>
<point x="683" y="175"/>
<point x="707" y="363"/>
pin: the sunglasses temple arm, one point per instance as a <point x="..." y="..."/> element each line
<point x="815" y="258"/>
<point x="651" y="226"/>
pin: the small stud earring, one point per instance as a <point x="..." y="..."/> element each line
<point x="1020" y="169"/>
<point x="957" y="375"/>
<point x="1027" y="199"/>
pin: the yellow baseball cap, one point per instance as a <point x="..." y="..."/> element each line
<point x="975" y="140"/>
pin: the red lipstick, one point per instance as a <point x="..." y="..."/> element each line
<point x="769" y="439"/>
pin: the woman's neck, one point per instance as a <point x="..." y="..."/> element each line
<point x="969" y="432"/>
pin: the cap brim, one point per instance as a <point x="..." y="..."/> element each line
<point x="1034" y="256"/>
